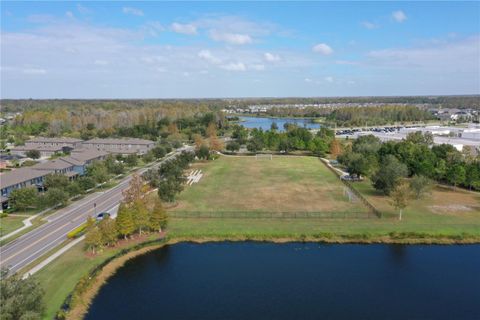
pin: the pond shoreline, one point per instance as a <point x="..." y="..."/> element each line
<point x="97" y="278"/>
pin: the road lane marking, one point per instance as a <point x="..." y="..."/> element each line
<point x="34" y="243"/>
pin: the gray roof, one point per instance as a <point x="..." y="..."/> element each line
<point x="84" y="155"/>
<point x="119" y="141"/>
<point x="39" y="148"/>
<point x="56" y="164"/>
<point x="55" y="140"/>
<point x="20" y="175"/>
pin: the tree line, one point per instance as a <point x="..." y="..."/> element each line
<point x="137" y="214"/>
<point x="389" y="162"/>
<point x="294" y="138"/>
<point x="378" y="115"/>
<point x="169" y="178"/>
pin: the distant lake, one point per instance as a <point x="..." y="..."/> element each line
<point x="265" y="122"/>
<point x="295" y="281"/>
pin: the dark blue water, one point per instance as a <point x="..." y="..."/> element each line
<point x="295" y="281"/>
<point x="265" y="123"/>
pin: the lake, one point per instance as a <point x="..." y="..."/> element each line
<point x="265" y="122"/>
<point x="295" y="281"/>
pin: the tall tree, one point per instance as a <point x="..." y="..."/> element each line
<point x="140" y="215"/>
<point x="34" y="154"/>
<point x="124" y="221"/>
<point x="401" y="196"/>
<point x="335" y="148"/>
<point x="135" y="189"/>
<point x="158" y="216"/>
<point x="108" y="230"/>
<point x="420" y="186"/>
<point x="216" y="144"/>
<point x="389" y="174"/>
<point x="56" y="180"/>
<point x="55" y="197"/>
<point x="21" y="199"/>
<point x="20" y="298"/>
<point x="456" y="174"/>
<point x="93" y="239"/>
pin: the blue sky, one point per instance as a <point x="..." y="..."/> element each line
<point x="238" y="49"/>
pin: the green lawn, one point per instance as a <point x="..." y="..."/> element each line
<point x="10" y="223"/>
<point x="284" y="184"/>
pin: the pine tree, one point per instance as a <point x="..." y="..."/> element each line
<point x="124" y="221"/>
<point x="108" y="230"/>
<point x="93" y="239"/>
<point x="335" y="148"/>
<point x="140" y="215"/>
<point x="401" y="196"/>
<point x="135" y="189"/>
<point x="158" y="216"/>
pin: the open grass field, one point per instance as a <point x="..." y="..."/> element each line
<point x="304" y="184"/>
<point x="284" y="184"/>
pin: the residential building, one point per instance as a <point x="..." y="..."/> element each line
<point x="45" y="151"/>
<point x="18" y="179"/>
<point x="71" y="166"/>
<point x="54" y="142"/>
<point x="120" y="146"/>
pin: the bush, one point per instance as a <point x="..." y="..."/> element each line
<point x="74" y="189"/>
<point x="86" y="183"/>
<point x="77" y="232"/>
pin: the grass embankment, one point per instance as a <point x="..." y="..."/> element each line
<point x="59" y="278"/>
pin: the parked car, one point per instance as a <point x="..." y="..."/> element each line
<point x="102" y="215"/>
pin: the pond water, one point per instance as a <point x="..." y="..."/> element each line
<point x="265" y="122"/>
<point x="295" y="281"/>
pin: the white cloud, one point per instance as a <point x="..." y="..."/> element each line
<point x="399" y="16"/>
<point x="131" y="10"/>
<point x="231" y="38"/>
<point x="323" y="49"/>
<point x="369" y="25"/>
<point x="270" y="57"/>
<point x="257" y="67"/>
<point x="207" y="56"/>
<point x="189" y="29"/>
<point x="69" y="14"/>
<point x="34" y="71"/>
<point x="462" y="54"/>
<point x="347" y="62"/>
<point x="101" y="62"/>
<point x="329" y="79"/>
<point x="238" y="66"/>
<point x="83" y="10"/>
<point x="153" y="28"/>
<point x="308" y="80"/>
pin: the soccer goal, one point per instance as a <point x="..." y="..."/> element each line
<point x="263" y="156"/>
<point x="350" y="195"/>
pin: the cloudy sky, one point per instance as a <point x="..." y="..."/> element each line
<point x="238" y="49"/>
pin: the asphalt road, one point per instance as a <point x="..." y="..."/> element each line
<point x="24" y="250"/>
